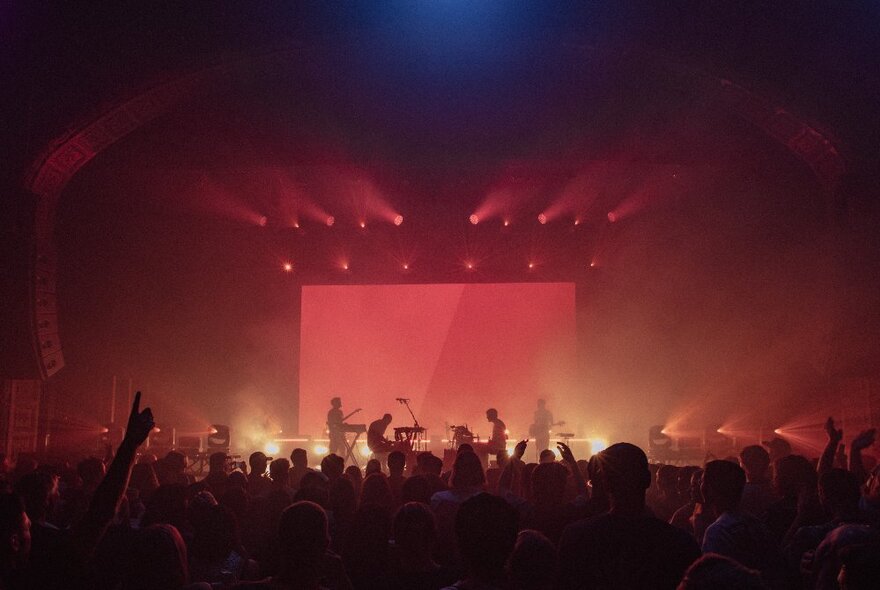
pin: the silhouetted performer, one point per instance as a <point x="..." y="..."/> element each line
<point x="542" y="422"/>
<point x="336" y="426"/>
<point x="376" y="440"/>
<point x="498" y="440"/>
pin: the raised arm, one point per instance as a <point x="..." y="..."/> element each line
<point x="835" y="435"/>
<point x="864" y="440"/>
<point x="568" y="459"/>
<point x="107" y="496"/>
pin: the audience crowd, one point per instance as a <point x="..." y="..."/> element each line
<point x="765" y="519"/>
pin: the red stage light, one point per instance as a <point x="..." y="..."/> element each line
<point x="263" y="221"/>
<point x="405" y="266"/>
<point x="506" y="222"/>
<point x="363" y="224"/>
<point x="296" y="224"/>
<point x="288" y="267"/>
<point x="469" y="265"/>
<point x="344" y="266"/>
<point x="542" y="219"/>
<point x="330" y="221"/>
<point x="474" y="219"/>
<point x="398" y="220"/>
<point x="577" y="220"/>
<point x="612" y="216"/>
<point x="592" y="264"/>
<point x="531" y="265"/>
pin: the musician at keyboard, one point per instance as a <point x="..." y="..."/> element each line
<point x="336" y="426"/>
<point x="376" y="440"/>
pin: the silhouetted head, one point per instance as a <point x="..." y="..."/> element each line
<point x="396" y="462"/>
<point x="175" y="461"/>
<point x="716" y="572"/>
<point x="354" y="475"/>
<point x="303" y="539"/>
<point x="386" y="418"/>
<point x="336" y="402"/>
<point x="332" y="466"/>
<point x="755" y="460"/>
<point x="532" y="564"/>
<point x="542" y="403"/>
<point x="375" y="490"/>
<point x="258" y="462"/>
<point x="279" y="471"/>
<point x="547" y="456"/>
<point x="414" y="528"/>
<point x="485" y="528"/>
<point x="217" y="462"/>
<point x="491" y="414"/>
<point x="723" y="484"/>
<point x="777" y="448"/>
<point x="464" y="448"/>
<point x="299" y="458"/>
<point x="623" y="471"/>
<point x="161" y="559"/>
<point x="372" y="466"/>
<point x="467" y="471"/>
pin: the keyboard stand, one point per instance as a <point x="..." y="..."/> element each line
<point x="350" y="447"/>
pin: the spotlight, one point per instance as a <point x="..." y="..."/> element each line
<point x="365" y="451"/>
<point x="398" y="220"/>
<point x="531" y="265"/>
<point x="474" y="219"/>
<point x="296" y="224"/>
<point x="592" y="264"/>
<point x="263" y="221"/>
<point x="320" y="450"/>
<point x="271" y="448"/>
<point x="777" y="431"/>
<point x="506" y="222"/>
<point x="469" y="265"/>
<point x="405" y="266"/>
<point x="363" y="224"/>
<point x="330" y="221"/>
<point x="597" y="445"/>
<point x="577" y="220"/>
<point x="542" y="219"/>
<point x="612" y="216"/>
<point x="345" y="266"/>
<point x="288" y="267"/>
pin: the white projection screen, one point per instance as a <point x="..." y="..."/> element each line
<point x="453" y="349"/>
